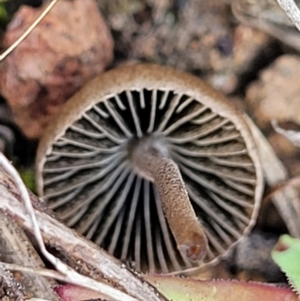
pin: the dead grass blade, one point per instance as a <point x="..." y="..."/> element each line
<point x="285" y="200"/>
<point x="292" y="182"/>
<point x="28" y="31"/>
<point x="292" y="136"/>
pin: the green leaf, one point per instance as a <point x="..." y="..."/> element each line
<point x="286" y="254"/>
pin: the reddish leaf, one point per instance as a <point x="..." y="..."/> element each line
<point x="179" y="289"/>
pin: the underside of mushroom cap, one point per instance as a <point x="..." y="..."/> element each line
<point x="85" y="174"/>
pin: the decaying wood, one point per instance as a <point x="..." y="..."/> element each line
<point x="292" y="11"/>
<point x="9" y="287"/>
<point x="16" y="248"/>
<point x="88" y="258"/>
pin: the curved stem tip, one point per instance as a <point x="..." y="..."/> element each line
<point x="151" y="161"/>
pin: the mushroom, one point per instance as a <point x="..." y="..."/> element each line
<point x="154" y="166"/>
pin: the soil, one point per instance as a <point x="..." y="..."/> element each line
<point x="205" y="38"/>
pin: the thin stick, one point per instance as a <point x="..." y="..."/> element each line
<point x="28" y="31"/>
<point x="69" y="274"/>
<point x="291" y="10"/>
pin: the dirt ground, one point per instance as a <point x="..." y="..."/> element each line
<point x="258" y="72"/>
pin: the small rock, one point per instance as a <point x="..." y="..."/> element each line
<point x="70" y="46"/>
<point x="276" y="94"/>
<point x="197" y="36"/>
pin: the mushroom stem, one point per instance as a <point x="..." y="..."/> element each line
<point x="151" y="161"/>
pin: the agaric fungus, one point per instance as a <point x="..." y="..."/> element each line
<point x="146" y="161"/>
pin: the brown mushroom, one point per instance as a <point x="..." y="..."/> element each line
<point x="154" y="166"/>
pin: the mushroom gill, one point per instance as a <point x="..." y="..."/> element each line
<point x="152" y="164"/>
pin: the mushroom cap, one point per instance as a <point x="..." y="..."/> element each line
<point x="84" y="173"/>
